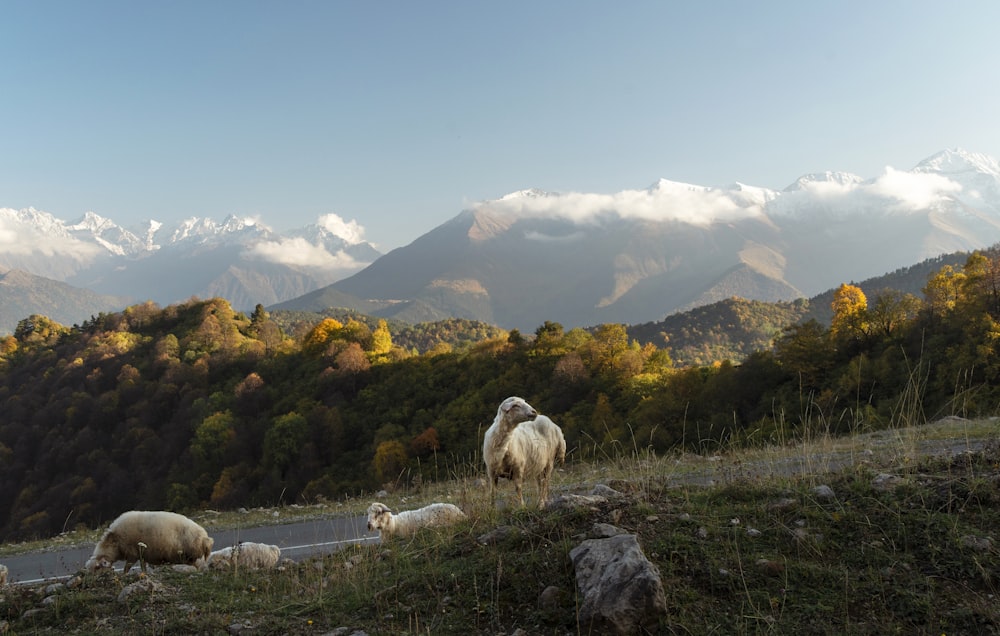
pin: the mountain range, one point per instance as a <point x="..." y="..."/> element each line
<point x="102" y="266"/>
<point x="637" y="256"/>
<point x="576" y="258"/>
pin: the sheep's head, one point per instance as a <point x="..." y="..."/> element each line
<point x="98" y="562"/>
<point x="378" y="516"/>
<point x="515" y="410"/>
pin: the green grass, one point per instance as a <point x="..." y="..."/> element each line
<point x="910" y="559"/>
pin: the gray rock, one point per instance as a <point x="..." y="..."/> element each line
<point x="979" y="544"/>
<point x="604" y="530"/>
<point x="144" y="585"/>
<point x="620" y="588"/>
<point x="551" y="598"/>
<point x="498" y="534"/>
<point x="885" y="482"/>
<point x="576" y="501"/>
<point x="607" y="492"/>
<point x="824" y="493"/>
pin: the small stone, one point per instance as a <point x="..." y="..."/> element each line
<point x="824" y="492"/>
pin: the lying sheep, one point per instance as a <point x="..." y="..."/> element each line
<point x="409" y="521"/>
<point x="255" y="556"/>
<point x="521" y="444"/>
<point x="151" y="537"/>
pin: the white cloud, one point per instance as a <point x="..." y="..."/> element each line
<point x="351" y="231"/>
<point x="300" y="253"/>
<point x="550" y="238"/>
<point x="665" y="201"/>
<point x="913" y="190"/>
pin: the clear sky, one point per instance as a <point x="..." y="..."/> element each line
<point x="400" y="114"/>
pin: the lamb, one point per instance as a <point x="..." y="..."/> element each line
<point x="151" y="537"/>
<point x="248" y="554"/>
<point x="521" y="444"/>
<point x="409" y="522"/>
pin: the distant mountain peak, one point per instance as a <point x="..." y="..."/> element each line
<point x="959" y="161"/>
<point x="838" y="178"/>
<point x="92" y="221"/>
<point x="666" y="185"/>
<point x="529" y="193"/>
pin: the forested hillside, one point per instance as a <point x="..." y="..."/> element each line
<point x="730" y="329"/>
<point x="734" y="328"/>
<point x="195" y="405"/>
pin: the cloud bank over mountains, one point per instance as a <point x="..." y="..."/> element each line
<point x="895" y="191"/>
<point x="30" y="232"/>
<point x="22" y="235"/>
<point x="299" y="252"/>
<point x="642" y="249"/>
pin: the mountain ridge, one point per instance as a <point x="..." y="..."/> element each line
<point x="641" y="255"/>
<point x="531" y="256"/>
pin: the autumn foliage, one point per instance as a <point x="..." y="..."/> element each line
<point x="196" y="405"/>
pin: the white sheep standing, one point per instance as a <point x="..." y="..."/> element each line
<point x="151" y="537"/>
<point x="246" y="554"/>
<point x="521" y="444"/>
<point x="408" y="522"/>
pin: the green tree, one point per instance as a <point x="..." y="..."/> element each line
<point x="284" y="440"/>
<point x="609" y="344"/>
<point x="805" y="350"/>
<point x="389" y="461"/>
<point x="211" y="437"/>
<point x="891" y="310"/>
<point x="548" y="338"/>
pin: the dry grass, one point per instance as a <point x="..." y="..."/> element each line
<point x="915" y="558"/>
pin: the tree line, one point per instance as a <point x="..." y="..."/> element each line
<point x="196" y="405"/>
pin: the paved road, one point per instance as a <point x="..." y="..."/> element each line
<point x="296" y="540"/>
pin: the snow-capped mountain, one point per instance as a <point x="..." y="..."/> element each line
<point x="530" y="256"/>
<point x="240" y="258"/>
<point x="635" y="256"/>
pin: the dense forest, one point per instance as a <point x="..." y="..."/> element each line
<point x="195" y="405"/>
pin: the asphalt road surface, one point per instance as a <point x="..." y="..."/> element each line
<point x="296" y="540"/>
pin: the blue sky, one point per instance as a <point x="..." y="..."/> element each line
<point x="400" y="114"/>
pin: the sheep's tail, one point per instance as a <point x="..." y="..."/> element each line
<point x="561" y="453"/>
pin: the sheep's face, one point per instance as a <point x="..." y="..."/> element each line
<point x="515" y="410"/>
<point x="378" y="516"/>
<point x="95" y="563"/>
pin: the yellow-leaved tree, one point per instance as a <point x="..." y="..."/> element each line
<point x="320" y="336"/>
<point x="381" y="340"/>
<point x="850" y="312"/>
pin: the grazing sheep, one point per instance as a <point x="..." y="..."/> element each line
<point x="409" y="521"/>
<point x="254" y="556"/>
<point x="154" y="537"/>
<point x="521" y="444"/>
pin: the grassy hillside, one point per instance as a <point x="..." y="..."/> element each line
<point x="744" y="543"/>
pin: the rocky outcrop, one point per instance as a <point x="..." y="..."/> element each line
<point x="620" y="589"/>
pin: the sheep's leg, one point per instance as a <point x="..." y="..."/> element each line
<point x="520" y="493"/>
<point x="128" y="566"/>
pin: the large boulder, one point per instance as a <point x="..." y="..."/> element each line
<point x="620" y="588"/>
